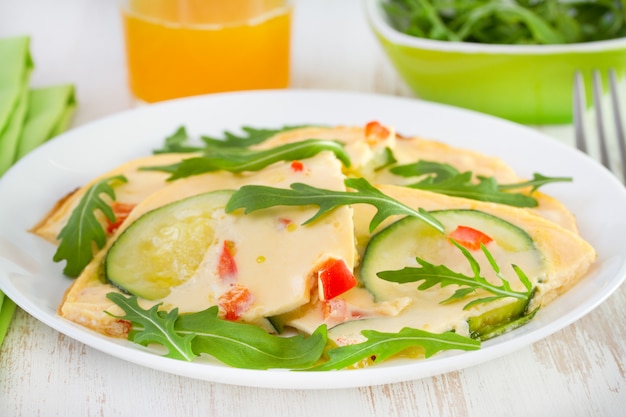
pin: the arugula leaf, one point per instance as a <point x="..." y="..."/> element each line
<point x="257" y="197"/>
<point x="445" y="179"/>
<point x="83" y="228"/>
<point x="380" y="346"/>
<point x="251" y="136"/>
<point x="179" y="141"/>
<point x="440" y="274"/>
<point x="242" y="159"/>
<point x="537" y="181"/>
<point x="153" y="326"/>
<point x="247" y="346"/>
<point x="239" y="345"/>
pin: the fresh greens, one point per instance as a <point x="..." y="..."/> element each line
<point x="180" y="141"/>
<point x="445" y="179"/>
<point x="247" y="346"/>
<point x="154" y="326"/>
<point x="381" y="346"/>
<point x="244" y="159"/>
<point x="240" y="345"/>
<point x="537" y="181"/>
<point x="257" y="197"/>
<point x="83" y="228"/>
<point x="509" y="21"/>
<point x="441" y="274"/>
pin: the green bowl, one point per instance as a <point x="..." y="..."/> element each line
<point x="529" y="84"/>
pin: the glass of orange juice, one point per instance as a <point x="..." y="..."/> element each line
<point x="179" y="48"/>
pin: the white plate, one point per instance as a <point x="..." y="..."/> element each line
<point x="31" y="187"/>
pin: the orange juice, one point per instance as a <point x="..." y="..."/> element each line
<point x="184" y="48"/>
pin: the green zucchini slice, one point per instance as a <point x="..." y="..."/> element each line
<point x="398" y="246"/>
<point x="164" y="247"/>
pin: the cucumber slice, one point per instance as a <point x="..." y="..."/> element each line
<point x="164" y="247"/>
<point x="500" y="320"/>
<point x="400" y="243"/>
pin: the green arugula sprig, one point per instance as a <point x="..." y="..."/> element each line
<point x="243" y="159"/>
<point x="83" y="228"/>
<point x="240" y="345"/>
<point x="440" y="274"/>
<point x="509" y="22"/>
<point x="180" y="141"/>
<point x="445" y="179"/>
<point x="381" y="346"/>
<point x="186" y="336"/>
<point x="257" y="197"/>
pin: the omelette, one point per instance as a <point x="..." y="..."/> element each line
<point x="178" y="245"/>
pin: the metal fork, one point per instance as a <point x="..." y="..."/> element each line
<point x="602" y="120"/>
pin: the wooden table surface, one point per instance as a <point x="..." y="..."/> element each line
<point x="579" y="371"/>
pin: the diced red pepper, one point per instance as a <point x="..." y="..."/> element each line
<point x="334" y="278"/>
<point x="234" y="302"/>
<point x="376" y="132"/>
<point x="470" y="237"/>
<point x="121" y="211"/>
<point x="297" y="166"/>
<point x="226" y="267"/>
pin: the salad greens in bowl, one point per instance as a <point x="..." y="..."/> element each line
<point x="512" y="59"/>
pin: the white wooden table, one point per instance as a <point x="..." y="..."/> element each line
<point x="579" y="371"/>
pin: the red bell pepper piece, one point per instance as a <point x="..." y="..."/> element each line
<point x="226" y="267"/>
<point x="470" y="237"/>
<point x="334" y="278"/>
<point x="297" y="166"/>
<point x="234" y="302"/>
<point x="121" y="211"/>
<point x="376" y="132"/>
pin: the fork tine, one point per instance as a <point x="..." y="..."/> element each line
<point x="619" y="127"/>
<point x="597" y="104"/>
<point x="579" y="112"/>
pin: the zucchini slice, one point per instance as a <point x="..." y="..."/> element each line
<point x="400" y="243"/>
<point x="398" y="246"/>
<point x="164" y="247"/>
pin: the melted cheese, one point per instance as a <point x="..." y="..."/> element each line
<point x="274" y="265"/>
<point x="277" y="263"/>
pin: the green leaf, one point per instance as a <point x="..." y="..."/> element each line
<point x="445" y="179"/>
<point x="509" y="22"/>
<point x="242" y="159"/>
<point x="251" y="136"/>
<point x="537" y="181"/>
<point x="178" y="142"/>
<point x="239" y="345"/>
<point x="432" y="275"/>
<point x="83" y="229"/>
<point x="381" y="346"/>
<point x="153" y="326"/>
<point x="247" y="346"/>
<point x="257" y="197"/>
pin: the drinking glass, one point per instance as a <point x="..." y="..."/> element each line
<point x="179" y="48"/>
